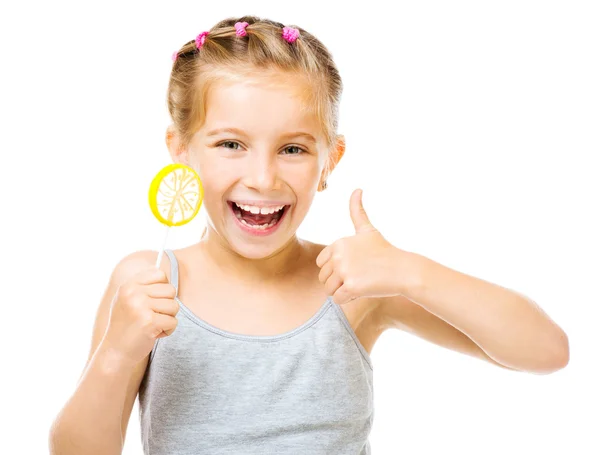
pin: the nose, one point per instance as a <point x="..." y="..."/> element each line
<point x="262" y="173"/>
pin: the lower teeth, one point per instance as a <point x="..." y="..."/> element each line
<point x="258" y="227"/>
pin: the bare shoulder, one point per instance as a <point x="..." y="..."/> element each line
<point x="132" y="264"/>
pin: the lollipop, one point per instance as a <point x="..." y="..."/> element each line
<point x="175" y="197"/>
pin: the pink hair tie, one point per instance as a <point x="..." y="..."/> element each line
<point x="174" y="56"/>
<point x="240" y="28"/>
<point x="290" y="34"/>
<point x="200" y="39"/>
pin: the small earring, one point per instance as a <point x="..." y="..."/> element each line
<point x="323" y="185"/>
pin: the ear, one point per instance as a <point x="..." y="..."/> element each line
<point x="179" y="154"/>
<point x="335" y="155"/>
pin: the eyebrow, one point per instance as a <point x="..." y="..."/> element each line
<point x="218" y="131"/>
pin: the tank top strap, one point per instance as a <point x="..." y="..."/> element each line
<point x="174" y="278"/>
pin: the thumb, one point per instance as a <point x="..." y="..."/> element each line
<point x="358" y="214"/>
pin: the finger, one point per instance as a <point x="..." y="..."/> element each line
<point x="324" y="256"/>
<point x="165" y="323"/>
<point x="341" y="296"/>
<point x="326" y="271"/>
<point x="164" y="306"/>
<point x="160" y="290"/>
<point x="357" y="213"/>
<point x="333" y="283"/>
<point x="151" y="276"/>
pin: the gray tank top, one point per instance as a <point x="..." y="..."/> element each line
<point x="210" y="391"/>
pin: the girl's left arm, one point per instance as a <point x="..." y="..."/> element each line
<point x="508" y="326"/>
<point x="447" y="307"/>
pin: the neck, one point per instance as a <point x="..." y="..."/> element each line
<point x="279" y="263"/>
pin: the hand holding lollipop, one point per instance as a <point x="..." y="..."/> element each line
<point x="175" y="197"/>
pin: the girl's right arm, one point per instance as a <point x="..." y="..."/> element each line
<point x="138" y="307"/>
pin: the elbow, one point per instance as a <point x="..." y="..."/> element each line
<point x="53" y="437"/>
<point x="562" y="352"/>
<point x="59" y="440"/>
<point x="556" y="354"/>
<point x="548" y="357"/>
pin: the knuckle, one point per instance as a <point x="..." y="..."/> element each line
<point x="131" y="301"/>
<point x="127" y="290"/>
<point x="154" y="276"/>
<point x="161" y="276"/>
<point x="170" y="327"/>
<point x="342" y="242"/>
<point x="172" y="291"/>
<point x="137" y="301"/>
<point x="350" y="285"/>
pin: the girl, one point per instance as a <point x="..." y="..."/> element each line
<point x="254" y="341"/>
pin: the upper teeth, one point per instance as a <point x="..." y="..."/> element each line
<point x="262" y="210"/>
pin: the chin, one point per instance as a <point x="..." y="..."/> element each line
<point x="256" y="252"/>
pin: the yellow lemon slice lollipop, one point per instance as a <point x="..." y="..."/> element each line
<point x="175" y="197"/>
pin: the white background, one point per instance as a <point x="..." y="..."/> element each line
<point x="473" y="128"/>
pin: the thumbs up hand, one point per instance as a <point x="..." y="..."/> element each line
<point x="363" y="265"/>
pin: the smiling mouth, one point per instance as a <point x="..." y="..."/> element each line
<point x="258" y="218"/>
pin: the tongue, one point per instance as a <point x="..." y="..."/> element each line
<point x="257" y="218"/>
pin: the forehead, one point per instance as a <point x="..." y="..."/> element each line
<point x="267" y="105"/>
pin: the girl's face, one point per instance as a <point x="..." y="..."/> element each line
<point x="260" y="159"/>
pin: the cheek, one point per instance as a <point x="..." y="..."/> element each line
<point x="216" y="174"/>
<point x="211" y="162"/>
<point x="214" y="189"/>
<point x="304" y="185"/>
<point x="214" y="183"/>
<point x="305" y="178"/>
<point x="307" y="186"/>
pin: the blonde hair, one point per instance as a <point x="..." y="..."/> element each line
<point x="226" y="55"/>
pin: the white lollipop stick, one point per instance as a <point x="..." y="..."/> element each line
<point x="161" y="251"/>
